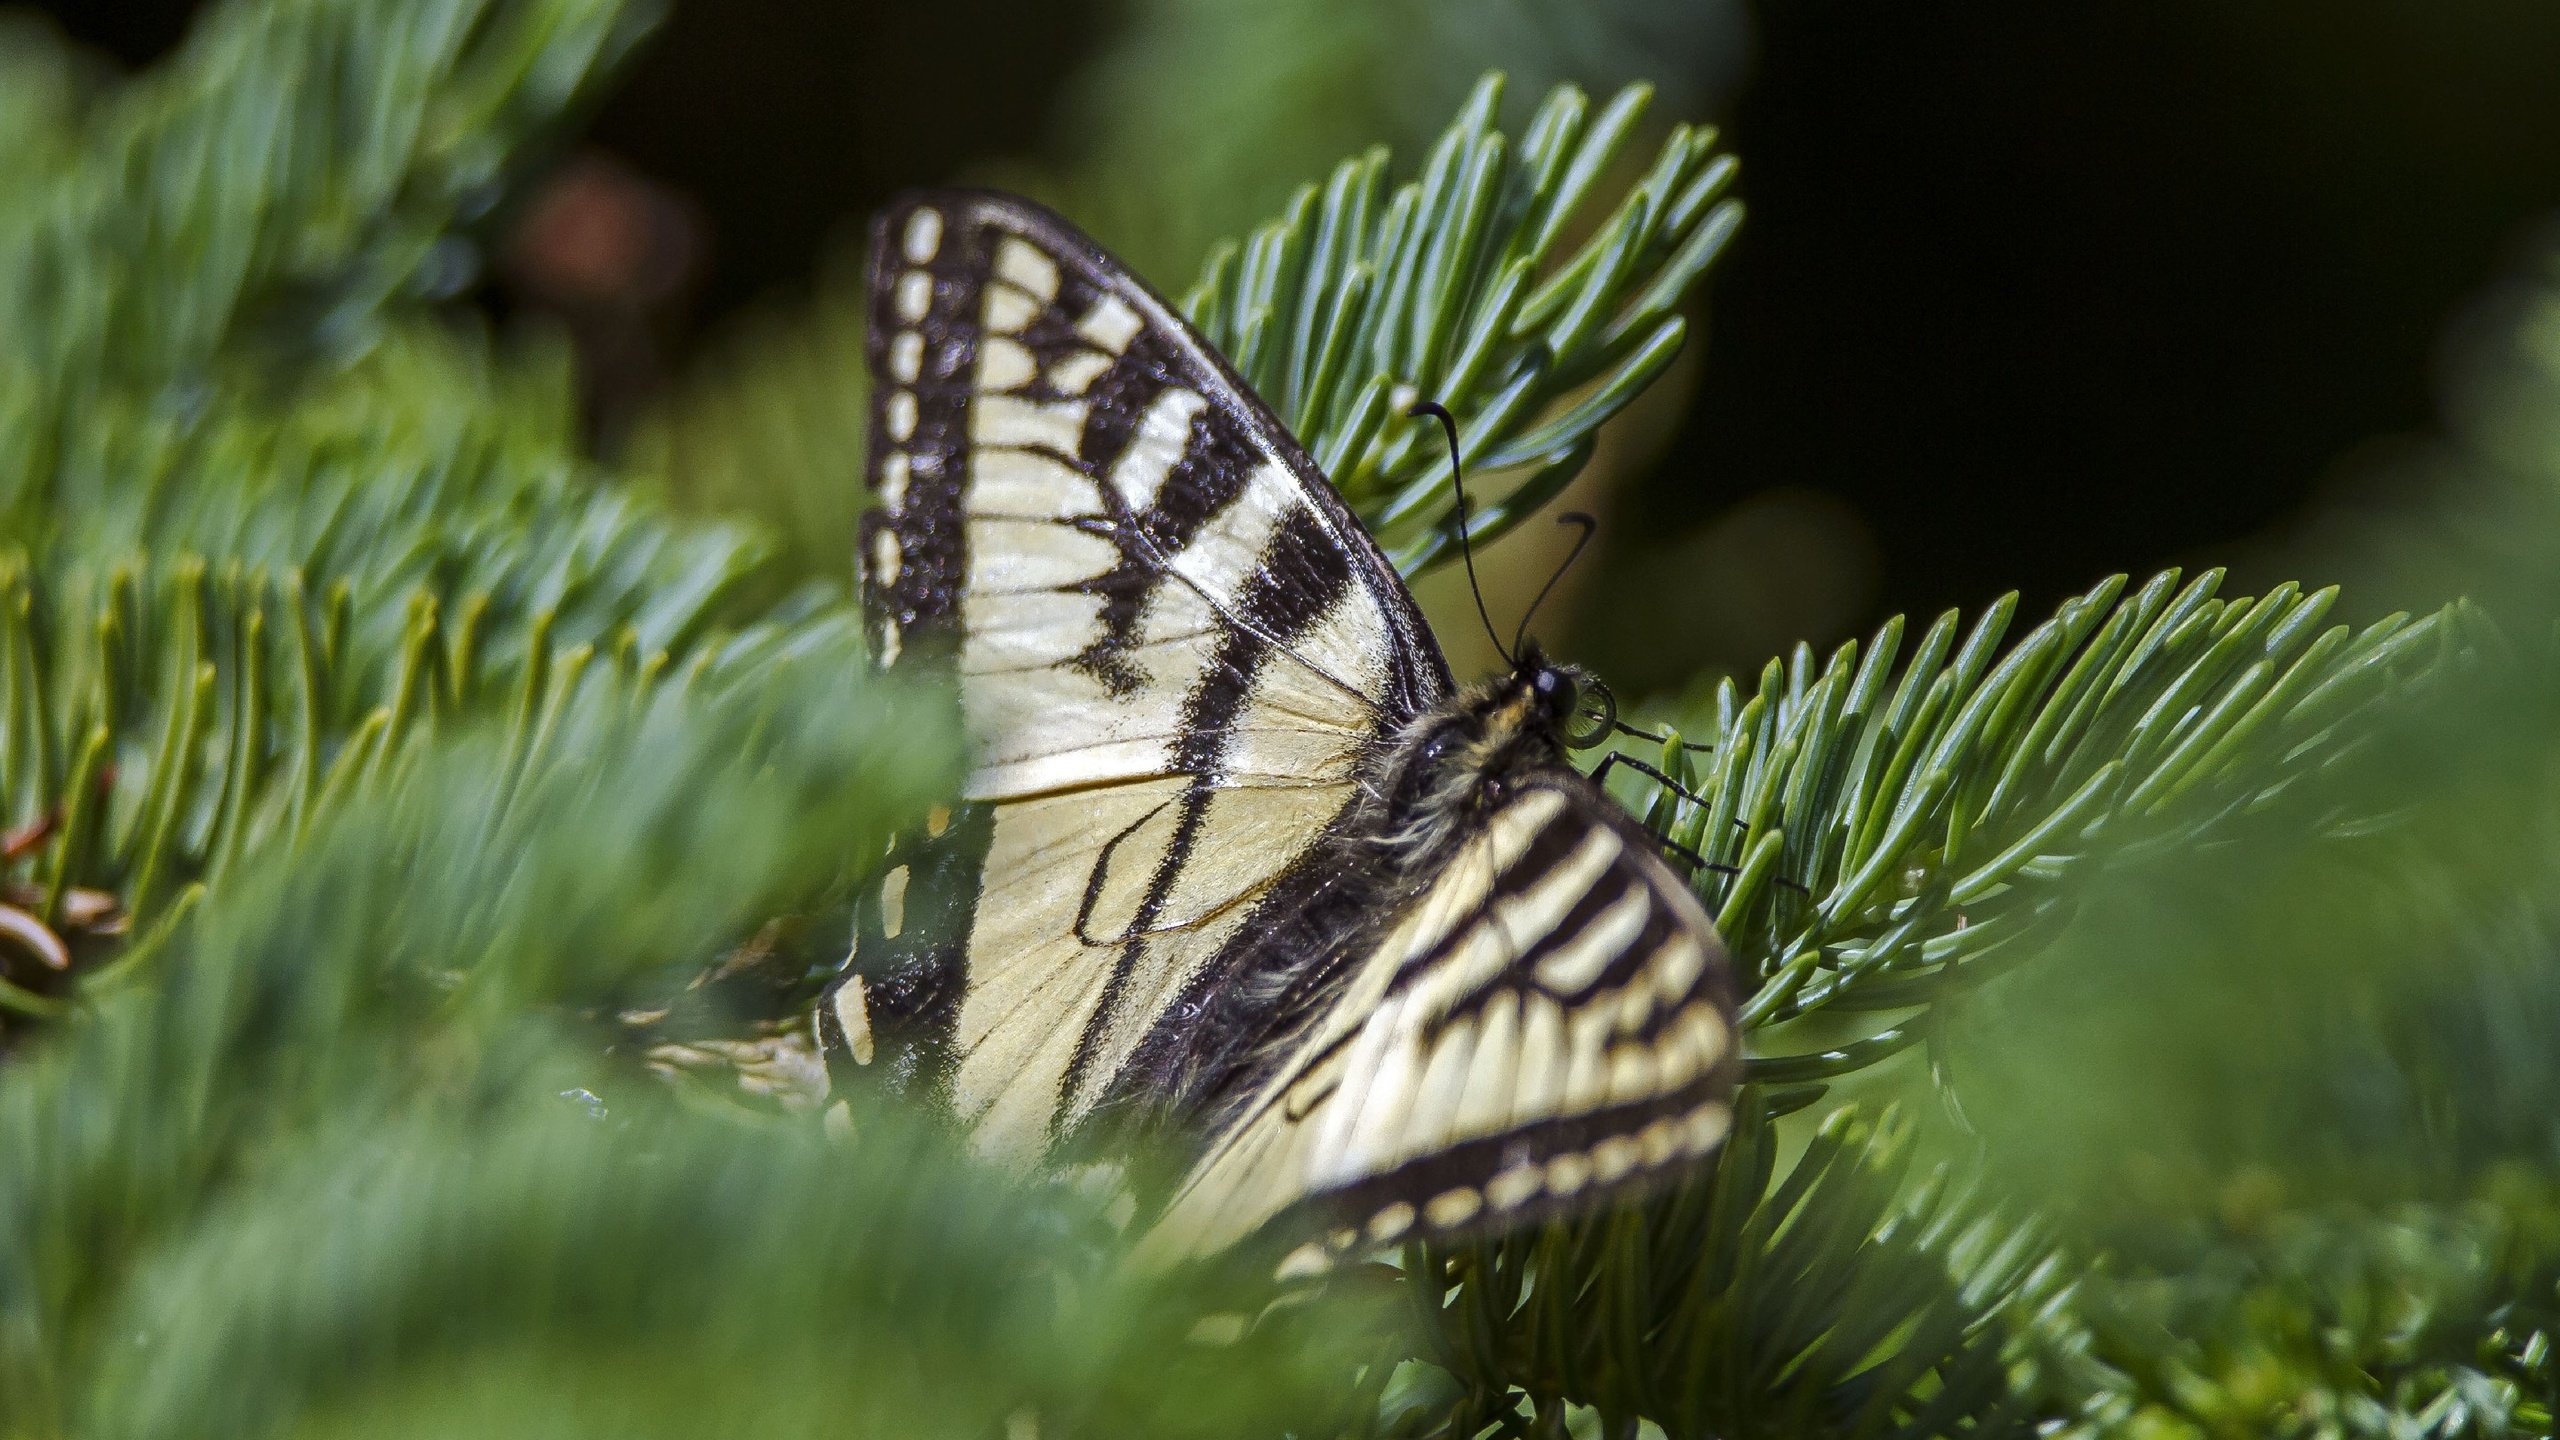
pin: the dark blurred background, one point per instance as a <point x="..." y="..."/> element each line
<point x="2028" y="293"/>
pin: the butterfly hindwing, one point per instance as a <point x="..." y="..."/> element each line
<point x="1546" y="1021"/>
<point x="1173" y="646"/>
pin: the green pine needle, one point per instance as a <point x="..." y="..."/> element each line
<point x="296" y="167"/>
<point x="1895" y="834"/>
<point x="1500" y="283"/>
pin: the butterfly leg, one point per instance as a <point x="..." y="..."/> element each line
<point x="1633" y="733"/>
<point x="1600" y="774"/>
<point x="1696" y="860"/>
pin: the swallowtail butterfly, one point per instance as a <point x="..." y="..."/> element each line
<point x="1236" y="861"/>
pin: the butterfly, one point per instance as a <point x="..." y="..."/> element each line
<point x="1236" y="862"/>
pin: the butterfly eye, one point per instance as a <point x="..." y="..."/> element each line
<point x="1434" y="750"/>
<point x="1595" y="714"/>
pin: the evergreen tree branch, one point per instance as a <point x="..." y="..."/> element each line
<point x="296" y="166"/>
<point x="455" y="902"/>
<point x="1941" y="818"/>
<point x="1894" y="835"/>
<point x="1463" y="286"/>
<point x="261" y="611"/>
<point x="1529" y="287"/>
<point x="1852" y="1295"/>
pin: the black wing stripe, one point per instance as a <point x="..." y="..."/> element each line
<point x="1209" y="475"/>
<point x="1300" y="577"/>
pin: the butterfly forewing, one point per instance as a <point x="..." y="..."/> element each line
<point x="1174" y="648"/>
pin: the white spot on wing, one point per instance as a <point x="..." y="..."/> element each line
<point x="1431" y="1124"/>
<point x="1029" y="483"/>
<point x="1613" y="1158"/>
<point x="893" y="480"/>
<point x="1677" y="965"/>
<point x="1485" y="1103"/>
<point x="1076" y="373"/>
<point x="1227" y="554"/>
<point x="1164" y="433"/>
<point x="902" y="416"/>
<point x="852" y="1002"/>
<point x="1019" y="262"/>
<point x="1515" y="1185"/>
<point x="1294" y="728"/>
<point x="906" y="357"/>
<point x="1572" y="967"/>
<point x="1024" y="630"/>
<point x="1544" y="906"/>
<point x="1110" y="324"/>
<point x="1454" y="1207"/>
<point x="1391" y="1222"/>
<point x="1007" y="310"/>
<point x="1631" y="1072"/>
<point x="1351" y="642"/>
<point x="1540" y="1075"/>
<point x="1176" y="639"/>
<point x="884" y="556"/>
<point x="1586" y="1083"/>
<point x="1005" y="365"/>
<point x="915" y="295"/>
<point x="924" y="235"/>
<point x="1016" y="423"/>
<point x="1009" y="555"/>
<point x="893" y="902"/>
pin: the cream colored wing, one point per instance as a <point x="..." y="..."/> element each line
<point x="1549" y="1020"/>
<point x="1174" y="648"/>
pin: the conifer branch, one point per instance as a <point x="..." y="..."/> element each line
<point x="299" y="164"/>
<point x="1465" y="286"/>
<point x="1895" y="835"/>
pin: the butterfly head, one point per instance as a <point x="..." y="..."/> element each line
<point x="1567" y="701"/>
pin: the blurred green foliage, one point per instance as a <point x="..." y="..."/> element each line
<point x="2148" y="1012"/>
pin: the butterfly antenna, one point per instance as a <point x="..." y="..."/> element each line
<point x="1590" y="527"/>
<point x="1466" y="547"/>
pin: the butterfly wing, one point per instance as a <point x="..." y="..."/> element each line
<point x="1548" y="1021"/>
<point x="1174" y="648"/>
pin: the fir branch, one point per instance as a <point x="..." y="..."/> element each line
<point x="299" y="164"/>
<point x="541" y="1271"/>
<point x="1894" y="836"/>
<point x="1846" y="1297"/>
<point x="402" y="533"/>
<point x="196" y="721"/>
<point x="1461" y="286"/>
<point x="1937" y="817"/>
<point x="400" y="553"/>
<point x="409" y="751"/>
<point x="452" y="913"/>
<point x="1522" y="286"/>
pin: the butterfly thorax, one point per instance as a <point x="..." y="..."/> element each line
<point x="1463" y="758"/>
